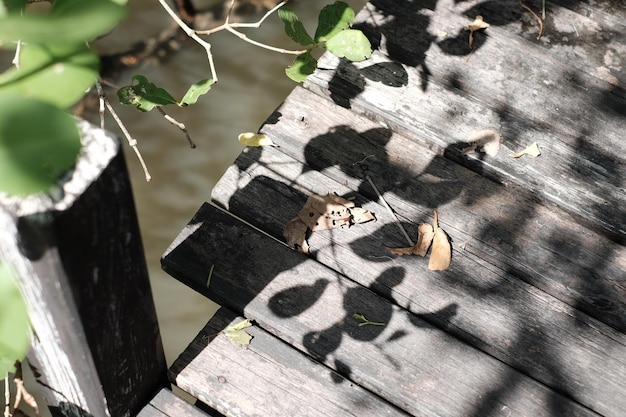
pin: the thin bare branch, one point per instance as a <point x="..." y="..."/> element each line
<point x="192" y="34"/>
<point x="380" y="197"/>
<point x="178" y="124"/>
<point x="131" y="142"/>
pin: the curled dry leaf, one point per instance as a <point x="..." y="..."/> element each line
<point x="487" y="140"/>
<point x="295" y="233"/>
<point x="321" y="213"/>
<point x="477" y="24"/>
<point x="427" y="236"/>
<point x="441" y="253"/>
<point x="532" y="150"/>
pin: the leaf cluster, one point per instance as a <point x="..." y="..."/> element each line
<point x="333" y="33"/>
<point x="52" y="69"/>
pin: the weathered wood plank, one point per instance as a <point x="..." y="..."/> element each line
<point x="78" y="255"/>
<point x="508" y="227"/>
<point x="166" y="404"/>
<point x="266" y="378"/>
<point x="527" y="96"/>
<point x="419" y="368"/>
<point x="498" y="313"/>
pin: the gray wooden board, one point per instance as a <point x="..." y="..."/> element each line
<point x="508" y="227"/>
<point x="166" y="404"/>
<point x="509" y="85"/>
<point x="267" y="377"/>
<point x="496" y="312"/>
<point x="414" y="365"/>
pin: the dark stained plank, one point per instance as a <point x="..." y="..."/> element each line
<point x="481" y="303"/>
<point x="439" y="99"/>
<point x="79" y="261"/>
<point x="266" y="378"/>
<point x="166" y="404"/>
<point x="509" y="228"/>
<point x="411" y="363"/>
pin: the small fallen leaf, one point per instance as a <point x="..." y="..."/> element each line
<point x="321" y="213"/>
<point x="441" y="253"/>
<point x="488" y="140"/>
<point x="295" y="233"/>
<point x="237" y="334"/>
<point x="477" y="24"/>
<point x="532" y="150"/>
<point x="425" y="236"/>
<point x="255" y="139"/>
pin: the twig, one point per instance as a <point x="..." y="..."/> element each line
<point x="131" y="142"/>
<point x="22" y="393"/>
<point x="7" y="396"/>
<point x="536" y="17"/>
<point x="192" y="34"/>
<point x="16" y="58"/>
<point x="101" y="98"/>
<point x="178" y="124"/>
<point x="380" y="197"/>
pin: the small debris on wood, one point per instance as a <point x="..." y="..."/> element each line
<point x="532" y="150"/>
<point x="477" y="24"/>
<point x="488" y="141"/>
<point x="433" y="237"/>
<point x="237" y="334"/>
<point x="322" y="213"/>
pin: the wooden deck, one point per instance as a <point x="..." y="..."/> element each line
<point x="530" y="318"/>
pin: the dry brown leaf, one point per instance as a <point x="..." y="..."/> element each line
<point x="488" y="140"/>
<point x="295" y="233"/>
<point x="425" y="236"/>
<point x="360" y="215"/>
<point x="532" y="150"/>
<point x="320" y="213"/>
<point x="477" y="24"/>
<point x="401" y="251"/>
<point x="441" y="253"/>
<point x="323" y="212"/>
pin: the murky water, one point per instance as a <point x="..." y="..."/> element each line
<point x="251" y="85"/>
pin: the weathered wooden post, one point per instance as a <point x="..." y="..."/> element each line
<point x="77" y="251"/>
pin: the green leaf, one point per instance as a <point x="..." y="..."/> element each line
<point x="294" y="27"/>
<point x="350" y="43"/>
<point x="302" y="67"/>
<point x="237" y="334"/>
<point x="14" y="336"/>
<point x="38" y="143"/>
<point x="333" y="19"/>
<point x="11" y="6"/>
<point x="58" y="74"/>
<point x="195" y="91"/>
<point x="145" y="95"/>
<point x="69" y="21"/>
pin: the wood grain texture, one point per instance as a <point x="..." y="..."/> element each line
<point x="530" y="319"/>
<point x="508" y="226"/>
<point x="267" y="377"/>
<point x="426" y="89"/>
<point x="166" y="404"/>
<point x="497" y="312"/>
<point x="414" y="365"/>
